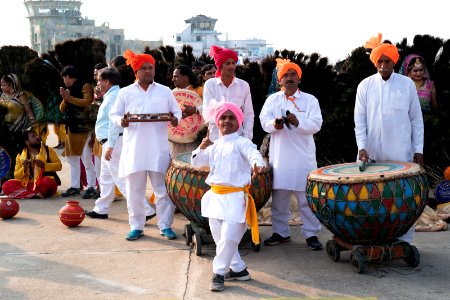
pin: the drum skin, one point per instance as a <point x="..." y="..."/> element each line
<point x="372" y="207"/>
<point x="189" y="127"/>
<point x="186" y="187"/>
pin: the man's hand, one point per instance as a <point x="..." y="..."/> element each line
<point x="174" y="121"/>
<point x="363" y="155"/>
<point x="108" y="153"/>
<point x="292" y="119"/>
<point x="189" y="110"/>
<point x="26" y="165"/>
<point x="65" y="93"/>
<point x="124" y="122"/>
<point x="418" y="159"/>
<point x="39" y="163"/>
<point x="278" y="124"/>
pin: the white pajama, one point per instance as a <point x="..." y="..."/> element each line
<point x="97" y="166"/>
<point x="136" y="184"/>
<point x="75" y="171"/>
<point x="227" y="235"/>
<point x="281" y="213"/>
<point x="109" y="179"/>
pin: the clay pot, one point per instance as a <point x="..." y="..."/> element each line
<point x="8" y="208"/>
<point x="71" y="214"/>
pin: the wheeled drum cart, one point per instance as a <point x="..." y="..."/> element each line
<point x="367" y="211"/>
<point x="186" y="187"/>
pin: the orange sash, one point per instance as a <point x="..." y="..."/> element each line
<point x="250" y="214"/>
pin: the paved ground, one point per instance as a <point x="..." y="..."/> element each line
<point x="42" y="259"/>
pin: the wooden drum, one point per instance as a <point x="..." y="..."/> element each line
<point x="375" y="206"/>
<point x="186" y="187"/>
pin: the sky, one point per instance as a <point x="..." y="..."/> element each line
<point x="331" y="28"/>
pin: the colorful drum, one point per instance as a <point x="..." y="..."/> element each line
<point x="189" y="127"/>
<point x="375" y="206"/>
<point x="186" y="186"/>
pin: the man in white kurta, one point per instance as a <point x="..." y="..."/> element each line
<point x="292" y="153"/>
<point x="226" y="86"/>
<point x="230" y="160"/>
<point x="145" y="149"/>
<point x="110" y="137"/>
<point x="388" y="117"/>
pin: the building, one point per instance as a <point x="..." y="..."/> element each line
<point x="201" y="35"/>
<point x="55" y="21"/>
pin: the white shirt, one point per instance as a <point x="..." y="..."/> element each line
<point x="238" y="93"/>
<point x="388" y="118"/>
<point x="292" y="152"/>
<point x="145" y="144"/>
<point x="104" y="128"/>
<point x="230" y="160"/>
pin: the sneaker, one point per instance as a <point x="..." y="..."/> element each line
<point x="276" y="239"/>
<point x="168" y="233"/>
<point x="243" y="275"/>
<point x="95" y="215"/>
<point x="149" y="217"/>
<point x="134" y="235"/>
<point x="70" y="192"/>
<point x="90" y="193"/>
<point x="217" y="283"/>
<point x="313" y="243"/>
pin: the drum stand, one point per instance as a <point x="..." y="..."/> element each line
<point x="196" y="234"/>
<point x="371" y="253"/>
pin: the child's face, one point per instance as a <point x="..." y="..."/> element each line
<point x="228" y="123"/>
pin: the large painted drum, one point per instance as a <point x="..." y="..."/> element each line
<point x="189" y="127"/>
<point x="186" y="187"/>
<point x="373" y="207"/>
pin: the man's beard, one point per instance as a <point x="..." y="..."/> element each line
<point x="36" y="146"/>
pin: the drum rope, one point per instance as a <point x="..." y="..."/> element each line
<point x="382" y="271"/>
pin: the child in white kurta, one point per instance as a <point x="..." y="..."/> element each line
<point x="230" y="159"/>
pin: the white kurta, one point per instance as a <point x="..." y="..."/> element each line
<point x="292" y="153"/>
<point x="145" y="144"/>
<point x="230" y="160"/>
<point x="388" y="118"/>
<point x="238" y="93"/>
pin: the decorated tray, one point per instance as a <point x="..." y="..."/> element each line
<point x="155" y="117"/>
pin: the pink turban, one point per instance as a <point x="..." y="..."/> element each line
<point x="220" y="56"/>
<point x="226" y="106"/>
<point x="283" y="65"/>
<point x="137" y="60"/>
<point x="216" y="109"/>
<point x="379" y="49"/>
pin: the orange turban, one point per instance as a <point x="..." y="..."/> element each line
<point x="220" y="56"/>
<point x="379" y="49"/>
<point x="137" y="60"/>
<point x="283" y="65"/>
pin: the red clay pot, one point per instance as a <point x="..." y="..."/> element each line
<point x="8" y="208"/>
<point x="71" y="214"/>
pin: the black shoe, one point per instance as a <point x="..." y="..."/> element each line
<point x="243" y="275"/>
<point x="217" y="283"/>
<point x="313" y="243"/>
<point x="149" y="217"/>
<point x="276" y="239"/>
<point x="70" y="192"/>
<point x="90" y="193"/>
<point x="95" y="215"/>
